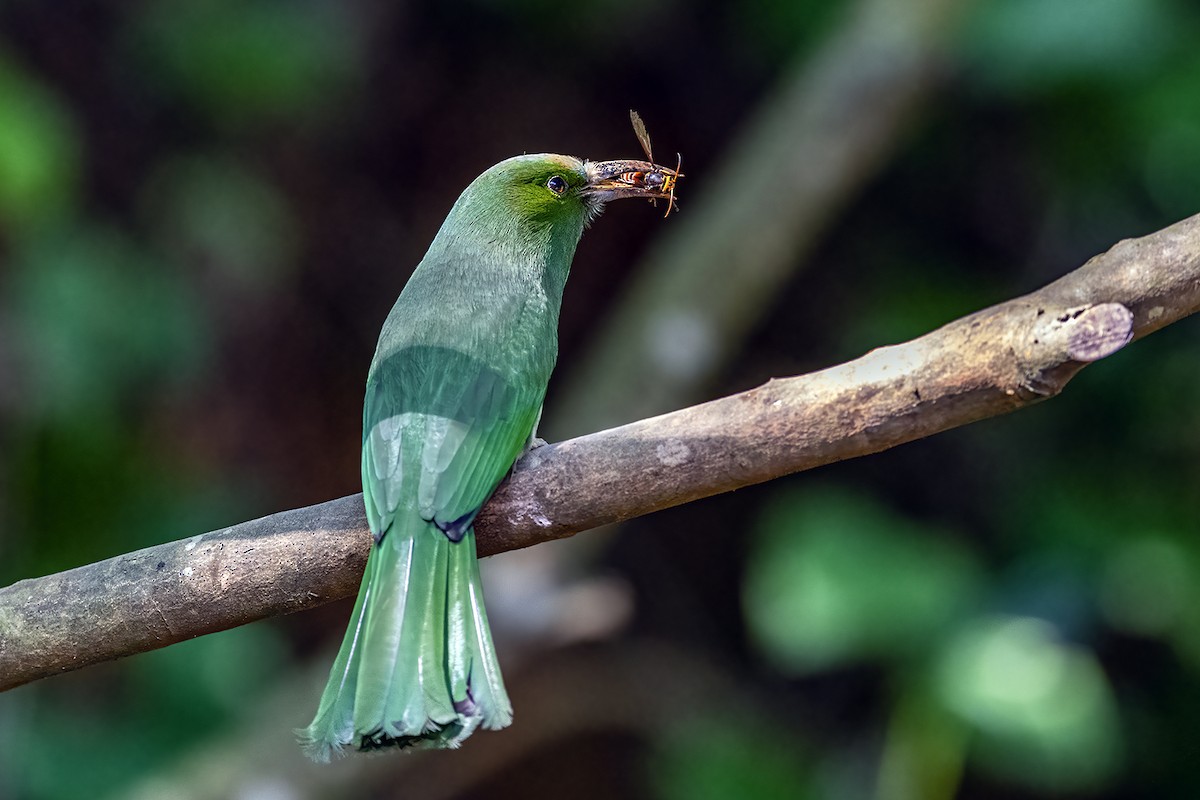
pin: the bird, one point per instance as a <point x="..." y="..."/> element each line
<point x="453" y="397"/>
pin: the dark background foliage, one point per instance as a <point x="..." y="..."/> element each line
<point x="207" y="209"/>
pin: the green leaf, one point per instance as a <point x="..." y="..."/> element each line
<point x="834" y="578"/>
<point x="39" y="154"/>
<point x="721" y="757"/>
<point x="1034" y="45"/>
<point x="216" y="214"/>
<point x="1042" y="708"/>
<point x="97" y="317"/>
<point x="249" y="62"/>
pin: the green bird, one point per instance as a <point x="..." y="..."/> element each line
<point x="453" y="398"/>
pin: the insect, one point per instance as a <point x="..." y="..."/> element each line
<point x="663" y="179"/>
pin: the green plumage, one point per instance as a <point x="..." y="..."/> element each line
<point x="453" y="395"/>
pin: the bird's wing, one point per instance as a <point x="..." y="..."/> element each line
<point x="440" y="431"/>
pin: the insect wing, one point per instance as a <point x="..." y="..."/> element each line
<point x="643" y="136"/>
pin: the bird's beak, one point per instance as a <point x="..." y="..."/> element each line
<point x="612" y="180"/>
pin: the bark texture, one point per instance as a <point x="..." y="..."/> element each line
<point x="994" y="361"/>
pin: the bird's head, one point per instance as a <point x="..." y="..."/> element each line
<point x="548" y="188"/>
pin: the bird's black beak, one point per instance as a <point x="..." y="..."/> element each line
<point x="612" y="180"/>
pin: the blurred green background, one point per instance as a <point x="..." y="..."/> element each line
<point x="206" y="211"/>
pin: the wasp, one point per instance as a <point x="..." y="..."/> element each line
<point x="662" y="179"/>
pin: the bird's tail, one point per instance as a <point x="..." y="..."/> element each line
<point x="417" y="666"/>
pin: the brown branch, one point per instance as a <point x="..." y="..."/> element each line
<point x="989" y="363"/>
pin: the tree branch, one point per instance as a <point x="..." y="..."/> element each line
<point x="991" y="362"/>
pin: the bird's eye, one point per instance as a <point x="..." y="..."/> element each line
<point x="556" y="184"/>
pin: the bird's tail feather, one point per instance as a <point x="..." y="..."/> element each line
<point x="417" y="666"/>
